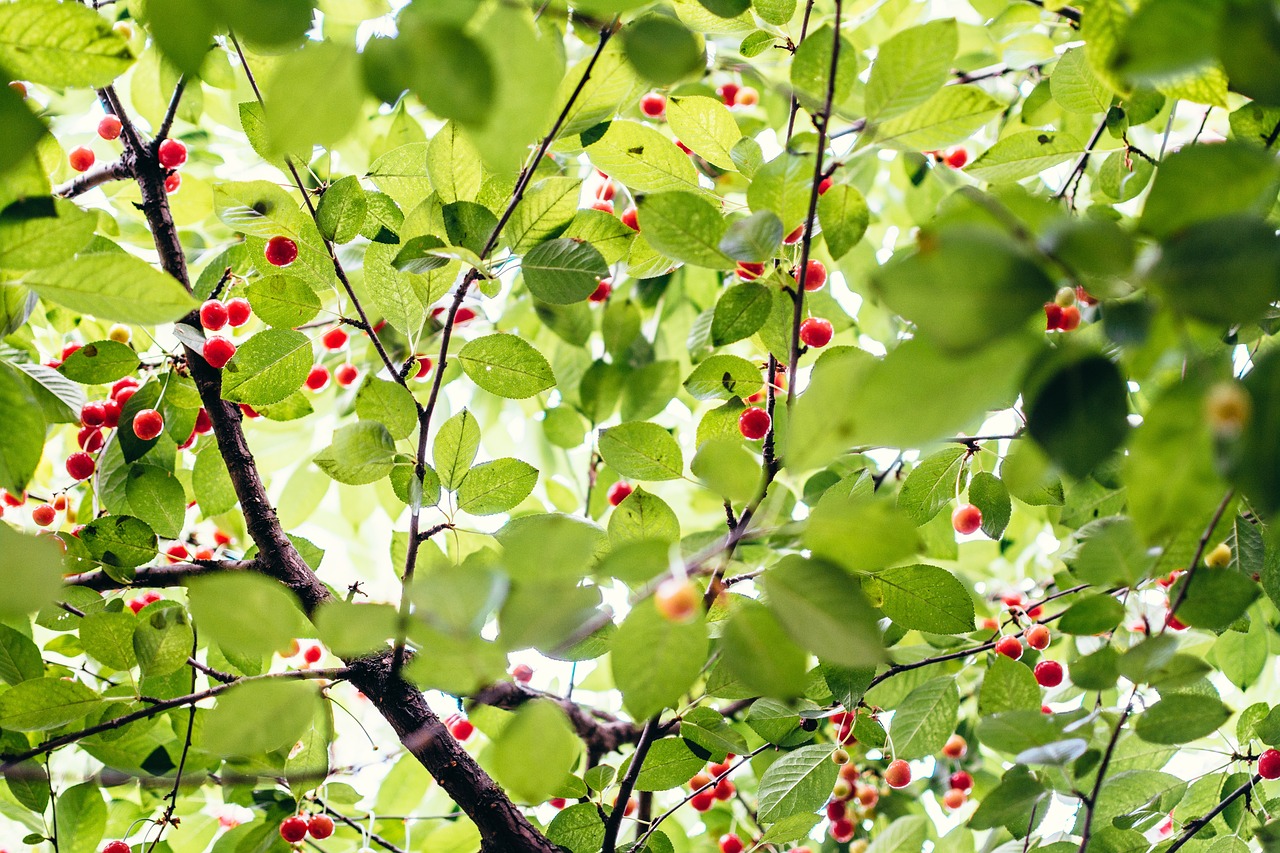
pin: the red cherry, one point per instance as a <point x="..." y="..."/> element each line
<point x="1038" y="637"/>
<point x="217" y="350"/>
<point x="221" y="537"/>
<point x="794" y="237"/>
<point x="281" y="251"/>
<point x="728" y="93"/>
<point x="962" y="780"/>
<point x="957" y="158"/>
<point x="731" y="843"/>
<point x="629" y="809"/>
<point x="685" y="148"/>
<point x="1070" y="318"/>
<point x="111" y="414"/>
<point x="238" y="311"/>
<point x="213" y="315"/>
<point x="335" y="339"/>
<point x="653" y="105"/>
<point x="1048" y="673"/>
<point x="116" y="846"/>
<point x="724" y="790"/>
<point x="631" y="218"/>
<point x="558" y="803"/>
<point x="109" y="127"/>
<point x="90" y="439"/>
<point x="842" y="831"/>
<point x="1052" y="316"/>
<point x="318" y="377"/>
<point x="177" y="552"/>
<point x="816" y="332"/>
<point x="601" y="293"/>
<point x="204" y="425"/>
<point x="897" y="774"/>
<point x="836" y="810"/>
<point x="754" y="423"/>
<point x="204" y="554"/>
<point x="954" y="798"/>
<point x="320" y="826"/>
<point x="81" y="158"/>
<point x="312" y="654"/>
<point x="80" y="465"/>
<point x="43" y="515"/>
<point x="748" y="271"/>
<point x="1175" y="623"/>
<point x="461" y="729"/>
<point x="522" y="673"/>
<point x="722" y="768"/>
<point x="171" y="154"/>
<point x="125" y="394"/>
<point x="955" y="747"/>
<point x="424" y="367"/>
<point x="747" y="97"/>
<point x="92" y="414"/>
<point x="14" y="500"/>
<point x="1010" y="647"/>
<point x="122" y="385"/>
<point x="608" y="189"/>
<point x="20" y="88"/>
<point x="60" y="503"/>
<point x="677" y="599"/>
<point x="619" y="492"/>
<point x="966" y="519"/>
<point x="293" y="829"/>
<point x="148" y="424"/>
<point x="1269" y="764"/>
<point x="464" y="315"/>
<point x="815" y="275"/>
<point x="345" y="374"/>
<point x="702" y="802"/>
<point x="1084" y="297"/>
<point x="172" y="182"/>
<point x="603" y="206"/>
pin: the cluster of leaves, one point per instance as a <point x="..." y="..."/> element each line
<point x="525" y="457"/>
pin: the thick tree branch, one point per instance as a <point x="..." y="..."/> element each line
<point x="602" y="733"/>
<point x="116" y="170"/>
<point x="614" y="824"/>
<point x="159" y="576"/>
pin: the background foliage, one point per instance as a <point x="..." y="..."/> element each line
<point x="964" y="173"/>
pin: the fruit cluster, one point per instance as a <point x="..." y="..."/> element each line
<point x="296" y="828"/>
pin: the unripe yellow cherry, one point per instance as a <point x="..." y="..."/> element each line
<point x="1220" y="557"/>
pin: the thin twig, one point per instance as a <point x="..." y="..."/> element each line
<point x="1200" y="823"/>
<point x="1201" y="546"/>
<point x="170" y="114"/>
<point x="1091" y="801"/>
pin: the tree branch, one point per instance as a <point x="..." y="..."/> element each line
<point x="170" y="114"/>
<point x="627" y="785"/>
<point x="1069" y="12"/>
<point x="1091" y="801"/>
<point x="1201" y="545"/>
<point x="601" y="732"/>
<point x="1200" y="823"/>
<point x="116" y="170"/>
<point x="159" y="576"/>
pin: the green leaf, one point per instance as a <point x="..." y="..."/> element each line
<point x="707" y="729"/>
<point x="31" y="237"/>
<point x="1011" y="800"/>
<point x="1215" y="597"/>
<point x="724" y="377"/>
<point x="1023" y="155"/>
<point x="1076" y="87"/>
<point x="455" y="448"/>
<point x="952" y="115"/>
<point x="860" y="534"/>
<point x="577" y="828"/>
<point x="157" y="497"/>
<point x="120" y="541"/>
<point x="964" y="287"/>
<point x="728" y="468"/>
<point x="706" y="126"/>
<point x="1110" y="553"/>
<point x="1008" y="686"/>
<point x="1255" y="463"/>
<point x="388" y="403"/>
<point x="1243" y="179"/>
<point x="669" y="764"/>
<point x="22" y="439"/>
<point x="811" y="69"/>
<point x="655" y="660"/>
<point x="844" y="216"/>
<point x="313" y="96"/>
<point x="754" y="238"/>
<point x="211" y="482"/>
<point x="642" y="450"/>
<point x="1221" y="271"/>
<point x="643" y="517"/>
<point x="497" y="486"/>
<point x="760" y="653"/>
<point x="1181" y="718"/>
<point x="342" y="209"/>
<point x="453" y="163"/>
<point x="507" y="366"/>
<point x="354" y="630"/>
<point x="662" y="49"/>
<point x="784" y="186"/>
<point x="283" y="301"/>
<point x="535" y="751"/>
<point x="776" y="12"/>
<point x="267" y="368"/>
<point x="20" y="660"/>
<point x="108" y="638"/>
<point x="547" y="546"/>
<point x="360" y="453"/>
<point x="926" y="598"/>
<point x="22" y="132"/>
<point x="245" y="613"/>
<point x="544" y="213"/>
<point x="469" y="225"/>
<point x="163" y="639"/>
<point x="798" y="782"/>
<point x="1092" y="614"/>
<point x="259" y="717"/>
<point x="642" y="158"/>
<point x="450" y="71"/>
<point x="988" y="493"/>
<point x="824" y="610"/>
<point x="45" y="703"/>
<point x="933" y="483"/>
<point x="740" y="312"/>
<point x="81" y="818"/>
<point x="686" y="227"/>
<point x="100" y="362"/>
<point x="1079" y="413"/>
<point x="563" y="271"/>
<point x="60" y="44"/>
<point x="925" y="719"/>
<point x="910" y="67"/>
<point x="113" y="286"/>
